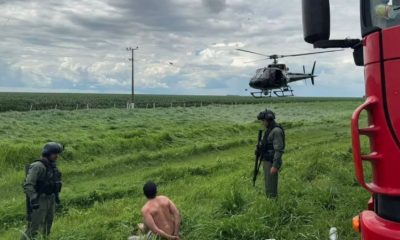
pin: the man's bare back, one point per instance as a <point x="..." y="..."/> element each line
<point x="161" y="216"/>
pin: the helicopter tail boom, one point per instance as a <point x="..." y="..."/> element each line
<point x="293" y="77"/>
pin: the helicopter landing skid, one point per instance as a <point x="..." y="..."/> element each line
<point x="282" y="92"/>
<point x="261" y="94"/>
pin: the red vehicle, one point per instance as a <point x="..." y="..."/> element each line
<point x="379" y="52"/>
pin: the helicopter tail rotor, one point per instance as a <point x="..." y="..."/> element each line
<point x="312" y="73"/>
<point x="304" y="71"/>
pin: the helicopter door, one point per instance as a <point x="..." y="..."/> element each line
<point x="277" y="77"/>
<point x="281" y="78"/>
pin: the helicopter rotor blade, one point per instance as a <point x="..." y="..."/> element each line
<point x="259" y="60"/>
<point x="275" y="57"/>
<point x="310" y="53"/>
<point x="242" y="50"/>
<point x="289" y="55"/>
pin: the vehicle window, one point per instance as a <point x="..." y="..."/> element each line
<point x="385" y="13"/>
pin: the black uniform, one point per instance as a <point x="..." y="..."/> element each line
<point x="273" y="146"/>
<point x="42" y="187"/>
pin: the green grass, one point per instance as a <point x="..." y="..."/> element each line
<point x="201" y="158"/>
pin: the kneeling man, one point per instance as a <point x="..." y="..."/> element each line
<point x="160" y="215"/>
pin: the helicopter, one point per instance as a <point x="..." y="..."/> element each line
<point x="275" y="78"/>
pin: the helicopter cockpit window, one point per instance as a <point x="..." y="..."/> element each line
<point x="281" y="66"/>
<point x="385" y="13"/>
<point x="267" y="73"/>
<point x="259" y="73"/>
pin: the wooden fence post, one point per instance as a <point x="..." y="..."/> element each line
<point x="31" y="108"/>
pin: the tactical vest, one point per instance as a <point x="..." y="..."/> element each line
<point x="51" y="183"/>
<point x="268" y="146"/>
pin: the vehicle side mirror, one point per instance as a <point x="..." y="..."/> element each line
<point x="358" y="55"/>
<point x="316" y="20"/>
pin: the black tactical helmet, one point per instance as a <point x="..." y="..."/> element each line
<point x="52" y="148"/>
<point x="266" y="115"/>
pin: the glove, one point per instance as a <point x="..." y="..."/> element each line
<point x="257" y="152"/>
<point x="35" y="204"/>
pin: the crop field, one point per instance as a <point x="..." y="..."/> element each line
<point x="201" y="157"/>
<point x="74" y="101"/>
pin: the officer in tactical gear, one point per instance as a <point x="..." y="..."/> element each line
<point x="42" y="187"/>
<point x="272" y="149"/>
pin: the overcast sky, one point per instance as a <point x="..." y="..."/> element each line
<point x="80" y="45"/>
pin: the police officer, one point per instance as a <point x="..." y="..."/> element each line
<point x="42" y="187"/>
<point x="273" y="145"/>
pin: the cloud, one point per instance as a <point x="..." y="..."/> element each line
<point x="215" y="6"/>
<point x="10" y="76"/>
<point x="79" y="45"/>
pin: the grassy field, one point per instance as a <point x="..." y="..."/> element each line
<point x="202" y="158"/>
<point x="73" y="101"/>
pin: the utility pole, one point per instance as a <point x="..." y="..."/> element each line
<point x="132" y="50"/>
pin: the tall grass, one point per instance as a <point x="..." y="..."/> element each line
<point x="201" y="158"/>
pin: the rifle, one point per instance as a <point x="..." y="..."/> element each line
<point x="258" y="159"/>
<point x="28" y="209"/>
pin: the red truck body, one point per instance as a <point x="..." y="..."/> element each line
<point x="382" y="88"/>
<point x="379" y="53"/>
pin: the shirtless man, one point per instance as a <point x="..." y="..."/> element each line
<point x="160" y="215"/>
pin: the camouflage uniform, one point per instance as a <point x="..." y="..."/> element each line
<point x="42" y="186"/>
<point x="273" y="149"/>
